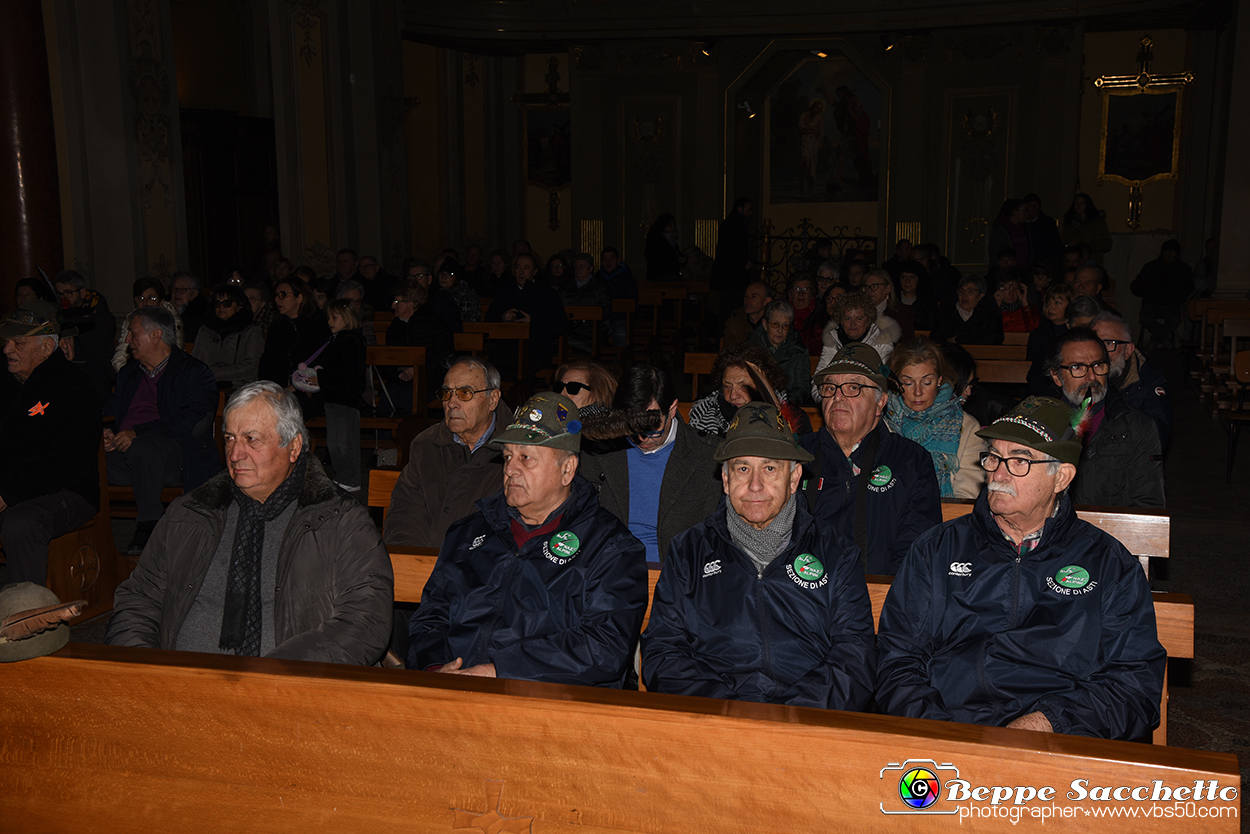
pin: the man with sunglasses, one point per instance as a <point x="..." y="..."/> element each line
<point x="1122" y="462"/>
<point x="1020" y="614"/>
<point x="450" y="464"/>
<point x="1143" y="385"/>
<point x="877" y="488"/>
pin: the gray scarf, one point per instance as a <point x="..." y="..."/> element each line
<point x="763" y="546"/>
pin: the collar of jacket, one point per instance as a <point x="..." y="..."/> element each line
<point x="834" y="452"/>
<point x="803" y="521"/>
<point x="215" y="494"/>
<point x="1056" y="529"/>
<point x="584" y="500"/>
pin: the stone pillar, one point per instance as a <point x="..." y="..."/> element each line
<point x="1234" y="253"/>
<point x="30" y="206"/>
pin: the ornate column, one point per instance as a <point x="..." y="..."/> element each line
<point x="30" y="206"/>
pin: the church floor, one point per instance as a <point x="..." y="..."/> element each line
<point x="1210" y="695"/>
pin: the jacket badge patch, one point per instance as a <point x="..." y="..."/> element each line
<point x="562" y="547"/>
<point x="477" y="542"/>
<point x="1071" y="580"/>
<point x="881" y="479"/>
<point x="806" y="571"/>
<point x="38" y="409"/>
<point x="960" y="569"/>
<point x="711" y="568"/>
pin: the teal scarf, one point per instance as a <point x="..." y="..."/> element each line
<point x="937" y="429"/>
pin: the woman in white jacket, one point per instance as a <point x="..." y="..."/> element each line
<point x="855" y="319"/>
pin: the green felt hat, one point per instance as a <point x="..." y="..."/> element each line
<point x="856" y="358"/>
<point x="1041" y="423"/>
<point x="27" y="596"/>
<point x="546" y="419"/>
<point x="759" y="430"/>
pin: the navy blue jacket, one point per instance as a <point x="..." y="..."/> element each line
<point x="1149" y="395"/>
<point x="1122" y="464"/>
<point x="186" y="398"/>
<point x="721" y="629"/>
<point x="535" y="614"/>
<point x="970" y="632"/>
<point x="908" y="504"/>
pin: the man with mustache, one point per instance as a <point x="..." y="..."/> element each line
<point x="1122" y="460"/>
<point x="1020" y="614"/>
<point x="1143" y="385"/>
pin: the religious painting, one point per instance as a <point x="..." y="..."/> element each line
<point x="547" y="160"/>
<point x="825" y="134"/>
<point x="977" y="175"/>
<point x="650" y="174"/>
<point x="1141" y="135"/>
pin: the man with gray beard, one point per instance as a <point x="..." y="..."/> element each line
<point x="1143" y="385"/>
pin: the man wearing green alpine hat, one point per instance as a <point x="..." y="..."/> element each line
<point x="541" y="583"/>
<point x="762" y="602"/>
<point x="1020" y="614"/>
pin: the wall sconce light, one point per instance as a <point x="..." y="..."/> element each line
<point x="820" y="53"/>
<point x="746" y="105"/>
<point x="887" y="43"/>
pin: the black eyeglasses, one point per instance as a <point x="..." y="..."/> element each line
<point x="227" y="303"/>
<point x="850" y="390"/>
<point x="1015" y="466"/>
<point x="1112" y="344"/>
<point x="570" y="388"/>
<point x="283" y="294"/>
<point x="1078" y="369"/>
<point x="878" y="285"/>
<point x="463" y="393"/>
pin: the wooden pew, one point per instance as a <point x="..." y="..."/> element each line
<point x="139" y="739"/>
<point x="1014" y="371"/>
<point x="474" y="343"/>
<point x="503" y="330"/>
<point x="996" y="352"/>
<point x="697" y="365"/>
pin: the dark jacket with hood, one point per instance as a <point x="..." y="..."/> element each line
<point x="984" y="327"/>
<point x="441" y="484"/>
<point x="689" y="492"/>
<point x="564" y="608"/>
<point x="1145" y="388"/>
<point x="186" y="398"/>
<point x="335" y="588"/>
<point x="903" y="496"/>
<point x="800" y="632"/>
<point x="973" y="632"/>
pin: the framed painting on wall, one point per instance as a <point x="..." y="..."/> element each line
<point x="1141" y="135"/>
<point x="547" y="160"/>
<point x="825" y="134"/>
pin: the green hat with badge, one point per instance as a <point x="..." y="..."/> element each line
<point x="34" y="318"/>
<point x="1041" y="423"/>
<point x="759" y="430"/>
<point x="546" y="419"/>
<point x="855" y="358"/>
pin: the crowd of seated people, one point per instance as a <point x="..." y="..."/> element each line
<point x="548" y="515"/>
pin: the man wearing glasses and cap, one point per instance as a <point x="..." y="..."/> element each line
<point x="876" y="488"/>
<point x="450" y="466"/>
<point x="49" y="441"/>
<point x="1020" y="614"/>
<point x="762" y="602"/>
<point x="542" y="583"/>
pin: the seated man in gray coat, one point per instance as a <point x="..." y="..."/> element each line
<point x="266" y="559"/>
<point x="664" y="482"/>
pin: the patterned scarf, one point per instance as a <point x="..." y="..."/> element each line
<point x="763" y="546"/>
<point x="937" y="428"/>
<point x="241" y="618"/>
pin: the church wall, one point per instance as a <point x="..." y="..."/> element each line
<point x="210" y="56"/>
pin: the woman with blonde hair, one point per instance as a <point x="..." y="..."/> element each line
<point x="925" y="409"/>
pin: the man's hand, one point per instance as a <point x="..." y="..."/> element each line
<point x="108" y="441"/>
<point x="123" y="439"/>
<point x="482" y="670"/>
<point x="1035" y="721"/>
<point x="407" y="374"/>
<point x="522" y="317"/>
<point x="3" y="506"/>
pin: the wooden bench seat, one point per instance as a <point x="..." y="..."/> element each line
<point x="138" y="739"/>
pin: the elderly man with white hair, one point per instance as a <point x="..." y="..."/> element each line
<point x="49" y="437"/>
<point x="762" y="602"/>
<point x="541" y="583"/>
<point x="268" y="558"/>
<point x="1021" y="614"/>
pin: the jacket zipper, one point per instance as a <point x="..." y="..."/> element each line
<point x="487" y="633"/>
<point x="1015" y="592"/>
